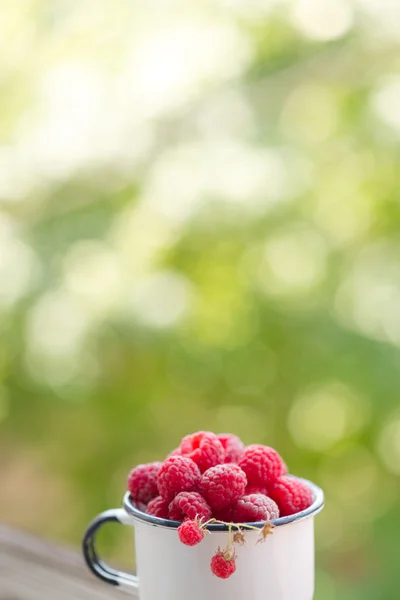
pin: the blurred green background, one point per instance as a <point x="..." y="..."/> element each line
<point x="200" y="229"/>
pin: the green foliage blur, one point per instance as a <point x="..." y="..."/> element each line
<point x="199" y="229"/>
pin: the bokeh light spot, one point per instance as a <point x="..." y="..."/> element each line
<point x="323" y="20"/>
<point x="161" y="299"/>
<point x="140" y="236"/>
<point x="251" y="8"/>
<point x="323" y="416"/>
<point x="172" y="63"/>
<point x="56" y="332"/>
<point x="310" y="114"/>
<point x="244" y="175"/>
<point x="386" y="102"/>
<point x="369" y="295"/>
<point x="293" y="262"/>
<point x="343" y="210"/>
<point x="19" y="267"/>
<point x="175" y="184"/>
<point x="93" y="274"/>
<point x="389" y="445"/>
<point x="56" y="324"/>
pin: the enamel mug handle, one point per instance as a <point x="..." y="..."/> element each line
<point x="95" y="564"/>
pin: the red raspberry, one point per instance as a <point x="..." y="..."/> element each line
<point x="223" y="564"/>
<point x="189" y="505"/>
<point x="190" y="533"/>
<point x="142" y="482"/>
<point x="255" y="507"/>
<point x="222" y="485"/>
<point x="158" y="507"/>
<point x="291" y="495"/>
<point x="256" y="489"/>
<point x="204" y="448"/>
<point x="262" y="465"/>
<point x="177" y="474"/>
<point x="232" y="445"/>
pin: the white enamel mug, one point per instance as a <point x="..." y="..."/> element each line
<point x="281" y="568"/>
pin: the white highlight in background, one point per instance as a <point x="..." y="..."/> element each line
<point x="169" y="65"/>
<point x="94" y="275"/>
<point x="293" y="263"/>
<point x="161" y="299"/>
<point x="19" y="266"/>
<point x="386" y="102"/>
<point x="323" y="20"/>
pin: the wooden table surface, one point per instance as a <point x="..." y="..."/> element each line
<point x="32" y="569"/>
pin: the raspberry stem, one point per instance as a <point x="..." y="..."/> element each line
<point x="204" y="525"/>
<point x="229" y="536"/>
<point x="264" y="531"/>
<point x="238" y="525"/>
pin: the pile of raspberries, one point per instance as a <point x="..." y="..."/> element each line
<point x="213" y="478"/>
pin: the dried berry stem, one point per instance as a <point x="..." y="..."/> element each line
<point x="245" y="526"/>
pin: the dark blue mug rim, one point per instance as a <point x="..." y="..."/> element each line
<point x="315" y="508"/>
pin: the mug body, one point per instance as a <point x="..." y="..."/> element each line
<point x="280" y="568"/>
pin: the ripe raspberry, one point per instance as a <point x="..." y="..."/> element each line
<point x="158" y="507"/>
<point x="204" y="448"/>
<point x="190" y="533"/>
<point x="223" y="563"/>
<point x="256" y="489"/>
<point x="262" y="465"/>
<point x="233" y="447"/>
<point x="189" y="505"/>
<point x="142" y="482"/>
<point x="291" y="495"/>
<point x="222" y="485"/>
<point x="177" y="474"/>
<point x="255" y="507"/>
